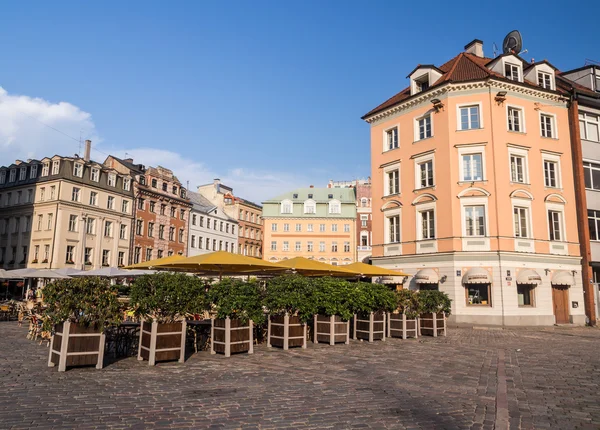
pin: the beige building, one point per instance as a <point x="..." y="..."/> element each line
<point x="314" y="223"/>
<point x="64" y="212"/>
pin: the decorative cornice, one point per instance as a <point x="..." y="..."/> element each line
<point x="411" y="102"/>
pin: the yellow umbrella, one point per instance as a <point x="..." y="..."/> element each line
<point x="152" y="264"/>
<point x="367" y="270"/>
<point x="221" y="263"/>
<point x="307" y="267"/>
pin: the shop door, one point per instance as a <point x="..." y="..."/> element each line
<point x="560" y="300"/>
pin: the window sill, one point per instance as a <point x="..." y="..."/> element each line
<point x="523" y="133"/>
<point x="549" y="137"/>
<point x="478" y="305"/>
<point x="431" y="187"/>
<point x="470" y="129"/>
<point x="387" y="196"/>
<point x="390" y="150"/>
<point x="553" y="188"/>
<point x="481" y="181"/>
<point x="526" y="306"/>
<point x="520" y="183"/>
<point x="421" y="140"/>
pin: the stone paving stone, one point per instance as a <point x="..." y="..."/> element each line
<point x="550" y="379"/>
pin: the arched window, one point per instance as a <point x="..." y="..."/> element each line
<point x="364" y="202"/>
<point x="335" y="207"/>
<point x="287" y="207"/>
<point x="310" y="207"/>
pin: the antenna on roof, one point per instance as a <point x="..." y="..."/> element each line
<point x="589" y="62"/>
<point x="495" y="49"/>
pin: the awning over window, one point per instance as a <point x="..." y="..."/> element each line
<point x="562" y="277"/>
<point x="530" y="277"/>
<point x="477" y="275"/>
<point x="427" y="276"/>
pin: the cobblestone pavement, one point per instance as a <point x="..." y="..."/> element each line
<point x="546" y="378"/>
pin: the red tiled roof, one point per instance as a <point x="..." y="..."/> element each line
<point x="462" y="68"/>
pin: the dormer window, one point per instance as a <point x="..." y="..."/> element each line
<point x="335" y="207"/>
<point x="55" y="167"/>
<point x="45" y="169"/>
<point x="13" y="175"/>
<point x="310" y="196"/>
<point x="78" y="170"/>
<point x="95" y="174"/>
<point x="330" y="196"/>
<point x="295" y="196"/>
<point x="512" y="72"/>
<point x="422" y="83"/>
<point x="112" y="180"/>
<point x="310" y="207"/>
<point x="544" y="80"/>
<point x="286" y="207"/>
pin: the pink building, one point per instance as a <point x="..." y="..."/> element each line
<point x="473" y="193"/>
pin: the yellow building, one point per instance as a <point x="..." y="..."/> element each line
<point x="315" y="223"/>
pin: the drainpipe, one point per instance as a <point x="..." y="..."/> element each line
<point x="496" y="204"/>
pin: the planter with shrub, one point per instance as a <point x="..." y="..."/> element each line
<point x="434" y="307"/>
<point x="290" y="303"/>
<point x="334" y="306"/>
<point x="371" y="304"/>
<point x="162" y="301"/>
<point x="404" y="322"/>
<point x="77" y="311"/>
<point x="238" y="306"/>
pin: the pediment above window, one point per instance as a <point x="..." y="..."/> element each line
<point x="424" y="198"/>
<point x="473" y="192"/>
<point x="521" y="194"/>
<point x="555" y="198"/>
<point x="423" y="77"/>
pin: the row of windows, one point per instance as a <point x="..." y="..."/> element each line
<point x="591" y="175"/>
<point x="141" y="205"/>
<point x="14" y="257"/>
<point x="251" y="250"/>
<point x="589" y="127"/>
<point x="474" y="217"/>
<point x="205" y="243"/>
<point x="250" y="233"/>
<point x="249" y="216"/>
<point x="17" y="197"/>
<point x="139" y="231"/>
<point x="472" y="168"/>
<point x="137" y="254"/>
<point x="90" y="226"/>
<point x="310" y="227"/>
<point x="310" y="206"/>
<point x="469" y="118"/>
<point x="309" y="246"/>
<point x="15" y="224"/>
<point x="216" y="224"/>
<point x="165" y="186"/>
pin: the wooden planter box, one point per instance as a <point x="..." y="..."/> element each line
<point x="331" y="329"/>
<point x="162" y="341"/>
<point x="231" y="336"/>
<point x="433" y="324"/>
<point x="369" y="326"/>
<point x="400" y="326"/>
<point x="75" y="345"/>
<point x="286" y="331"/>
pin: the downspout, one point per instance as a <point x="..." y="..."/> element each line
<point x="496" y="204"/>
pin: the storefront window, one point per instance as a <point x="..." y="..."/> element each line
<point x="478" y="294"/>
<point x="525" y="294"/>
<point x="429" y="287"/>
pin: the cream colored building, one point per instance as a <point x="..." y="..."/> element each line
<point x="314" y="223"/>
<point x="64" y="212"/>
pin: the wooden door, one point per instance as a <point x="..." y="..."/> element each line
<point x="560" y="301"/>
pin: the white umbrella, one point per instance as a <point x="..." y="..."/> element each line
<point x="48" y="274"/>
<point x="67" y="271"/>
<point x="20" y="273"/>
<point x="4" y="274"/>
<point x="106" y="272"/>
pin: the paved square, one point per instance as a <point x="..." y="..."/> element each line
<point x="546" y="378"/>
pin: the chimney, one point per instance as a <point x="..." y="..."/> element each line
<point x="88" y="149"/>
<point x="475" y="47"/>
<point x="312" y="186"/>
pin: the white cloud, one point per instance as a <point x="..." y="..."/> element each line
<point x="23" y="135"/>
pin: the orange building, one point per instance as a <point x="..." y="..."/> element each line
<point x="472" y="187"/>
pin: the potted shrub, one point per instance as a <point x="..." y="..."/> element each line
<point x="434" y="306"/>
<point x="290" y="304"/>
<point x="404" y="323"/>
<point x="77" y="311"/>
<point x="371" y="304"/>
<point x="162" y="301"/>
<point x="237" y="306"/>
<point x="333" y="309"/>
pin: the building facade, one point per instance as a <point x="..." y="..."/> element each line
<point x="64" y="212"/>
<point x="248" y="214"/>
<point x="315" y="223"/>
<point x="161" y="211"/>
<point x="584" y="85"/>
<point x="210" y="229"/>
<point x="472" y="177"/>
<point x="364" y="221"/>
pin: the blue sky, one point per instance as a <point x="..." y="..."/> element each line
<point x="265" y="95"/>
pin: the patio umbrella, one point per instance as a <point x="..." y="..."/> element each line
<point x="20" y="273"/>
<point x="46" y="274"/>
<point x="156" y="263"/>
<point x="105" y="272"/>
<point x="369" y="271"/>
<point x="307" y="267"/>
<point x="224" y="263"/>
<point x="67" y="271"/>
<point x="4" y="274"/>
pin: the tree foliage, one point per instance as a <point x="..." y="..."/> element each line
<point x="333" y="296"/>
<point x="408" y="303"/>
<point x="433" y="301"/>
<point x="168" y="297"/>
<point x="293" y="294"/>
<point x="369" y="297"/>
<point x="235" y="298"/>
<point x="86" y="301"/>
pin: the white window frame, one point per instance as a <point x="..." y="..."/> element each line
<point x="273" y="245"/>
<point x="519" y="71"/>
<point x="309" y="227"/>
<point x="543" y="83"/>
<point x="557" y="207"/>
<point x="425" y="207"/>
<point x="13" y="175"/>
<point x="33" y="171"/>
<point x="76" y="194"/>
<point x="55" y="167"/>
<point x="388" y="225"/>
<point x="95" y="174"/>
<point x="418" y="162"/>
<point x="286" y="246"/>
<point x="470" y="202"/>
<point x="586" y="118"/>
<point x="522" y="203"/>
<point x="2" y="177"/>
<point x="524" y="154"/>
<point x="93" y="198"/>
<point x="417" y="133"/>
<point x="469" y="150"/>
<point x="553" y="158"/>
<point x="308" y="205"/>
<point x="335" y="206"/>
<point x="459" y="120"/>
<point x="126" y="184"/>
<point x="110" y="202"/>
<point x="522" y="123"/>
<point x="553" y="125"/>
<point x="112" y="180"/>
<point x="78" y="170"/>
<point x="284" y="207"/>
<point x="386" y="131"/>
<point x="45" y="169"/>
<point x="298" y="246"/>
<point x="286" y="227"/>
<point x="334" y="228"/>
<point x="386" y="182"/>
<point x="594" y="166"/>
<point x="22" y="173"/>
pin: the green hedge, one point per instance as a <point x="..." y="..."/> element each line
<point x="293" y="294"/>
<point x="235" y="298"/>
<point x="433" y="301"/>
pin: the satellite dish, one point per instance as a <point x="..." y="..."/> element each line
<point x="513" y="43"/>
